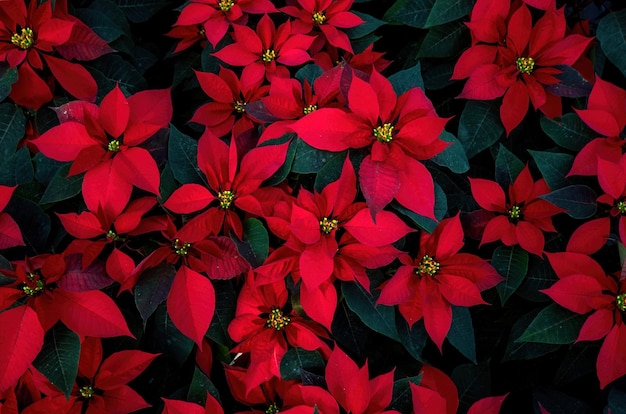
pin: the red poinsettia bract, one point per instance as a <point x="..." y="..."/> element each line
<point x="211" y="406"/>
<point x="585" y="288"/>
<point x="30" y="36"/>
<point x="10" y="233"/>
<point x="515" y="59"/>
<point x="436" y="393"/>
<point x="519" y="218"/>
<point x="401" y="132"/>
<point x="103" y="142"/>
<point x="439" y="277"/>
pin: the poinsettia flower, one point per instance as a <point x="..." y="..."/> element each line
<point x="101" y="385"/>
<point x="327" y="16"/>
<point x="354" y="390"/>
<point x="231" y="181"/>
<point x="440" y="276"/>
<point x="365" y="61"/>
<point x="264" y="327"/>
<point x="227" y="113"/>
<point x="400" y="132"/>
<point x="605" y="114"/>
<point x="436" y="392"/>
<point x="103" y="142"/>
<point x="216" y="16"/>
<point x="29" y="36"/>
<point x="268" y="50"/>
<point x="521" y="217"/>
<point x="612" y="179"/>
<point x="584" y="288"/>
<point x="10" y="233"/>
<point x="519" y="65"/>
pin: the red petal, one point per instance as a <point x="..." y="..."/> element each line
<point x="597" y="325"/>
<point x="363" y="100"/>
<point x="258" y="165"/>
<point x="83" y="226"/>
<point x="64" y="142"/>
<point x="488" y="405"/>
<point x="122" y="367"/>
<point x="30" y="90"/>
<point x="119" y="266"/>
<point x="590" y="236"/>
<point x="417" y="189"/>
<point x="488" y="194"/>
<point x="399" y="288"/>
<point x="106" y="190"/>
<point x="20" y="342"/>
<point x="514" y="106"/>
<point x="320" y="303"/>
<point x="83" y="44"/>
<point x="304" y="225"/>
<point x="472" y="58"/>
<point x="181" y="407"/>
<point x="380" y="182"/>
<point x="114" y="112"/>
<point x="138" y="167"/>
<point x="73" y="78"/>
<point x="10" y="233"/>
<point x="347" y="383"/>
<point x="120" y="400"/>
<point x="317" y="262"/>
<point x="519" y="29"/>
<point x="189" y="198"/>
<point x="575" y="292"/>
<point x="600" y="121"/>
<point x="215" y="87"/>
<point x="610" y="365"/>
<point x="437" y="313"/>
<point x="150" y="111"/>
<point x="387" y="229"/>
<point x="482" y="84"/>
<point x="427" y="401"/>
<point x="6" y="193"/>
<point x="459" y="291"/>
<point x="530" y="237"/>
<point x="191" y="303"/>
<point x="612" y="178"/>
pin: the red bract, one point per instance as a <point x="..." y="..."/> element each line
<point x="439" y="277"/>
<point x="227" y="113"/>
<point x="521" y="217"/>
<point x="325" y="15"/>
<point x="10" y="234"/>
<point x="517" y="62"/>
<point x="265" y="329"/>
<point x="231" y="181"/>
<point x="212" y="406"/>
<point x="401" y="132"/>
<point x="214" y="17"/>
<point x="605" y="114"/>
<point x="436" y="393"/>
<point x="268" y="50"/>
<point x="100" y="384"/>
<point x="583" y="287"/>
<point x="103" y="142"/>
<point x="612" y="179"/>
<point x="29" y="37"/>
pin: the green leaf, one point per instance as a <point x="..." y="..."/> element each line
<point x="199" y="386"/>
<point x="617" y="401"/>
<point x="444" y="41"/>
<point x="611" y="34"/>
<point x="554" y="167"/>
<point x="524" y="351"/>
<point x="140" y="11"/>
<point x="163" y="336"/>
<point x="473" y="383"/>
<point x="508" y="167"/>
<point x="61" y="186"/>
<point x="402" y="399"/>
<point x="256" y="235"/>
<point x="571" y="83"/>
<point x="453" y="157"/>
<point x="579" y="361"/>
<point x="12" y="126"/>
<point x="225" y="306"/>
<point x="182" y="151"/>
<point x="412" y="13"/>
<point x="479" y="126"/>
<point x="330" y="172"/>
<point x="297" y="360"/>
<point x="413" y="338"/>
<point x="58" y="359"/>
<point x="45" y="168"/>
<point x="569" y="132"/>
<point x="309" y="160"/>
<point x="152" y="289"/>
<point x="8" y="76"/>
<point x="554" y="325"/>
<point x="168" y="183"/>
<point x="540" y="276"/>
<point x="371" y="24"/>
<point x="309" y="73"/>
<point x="437" y="74"/>
<point x="379" y="318"/>
<point x="110" y="70"/>
<point x="348" y="330"/>
<point x="461" y="333"/>
<point x="283" y="172"/>
<point x="445" y="11"/>
<point x="578" y="201"/>
<point x="17" y="168"/>
<point x="32" y="221"/>
<point x="407" y="79"/>
<point x="512" y="264"/>
<point x="103" y="18"/>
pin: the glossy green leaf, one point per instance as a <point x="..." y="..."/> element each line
<point x="370" y="24"/>
<point x="110" y="70"/>
<point x="508" y="167"/>
<point x="256" y="235"/>
<point x="569" y="131"/>
<point x="554" y="167"/>
<point x="58" y="359"/>
<point x="8" y="76"/>
<point x="479" y="126"/>
<point x="445" y="11"/>
<point x="407" y="79"/>
<point x="379" y="318"/>
<point x="461" y="333"/>
<point x="224" y="313"/>
<point x="611" y="34"/>
<point x="412" y="13"/>
<point x="578" y="201"/>
<point x="413" y="338"/>
<point x="17" y="168"/>
<point x="199" y="386"/>
<point x="140" y="11"/>
<point x="162" y="336"/>
<point x="330" y="172"/>
<point x="297" y="360"/>
<point x="579" y="361"/>
<point x="524" y="351"/>
<point x="34" y="223"/>
<point x="453" y="157"/>
<point x="554" y="325"/>
<point x="12" y="125"/>
<point x="402" y="400"/>
<point x="444" y="41"/>
<point x="512" y="264"/>
<point x="309" y="160"/>
<point x="61" y="186"/>
<point x="183" y="151"/>
<point x="152" y="289"/>
<point x="348" y="330"/>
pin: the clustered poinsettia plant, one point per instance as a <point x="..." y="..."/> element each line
<point x="312" y="206"/>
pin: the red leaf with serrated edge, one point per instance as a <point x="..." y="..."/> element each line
<point x="191" y="303"/>
<point x="181" y="407"/>
<point x="380" y="183"/>
<point x="139" y="168"/>
<point x="387" y="229"/>
<point x="189" y="198"/>
<point x="64" y="142"/>
<point x="114" y="112"/>
<point x="73" y="78"/>
<point x="77" y="279"/>
<point x="150" y="111"/>
<point x="348" y="383"/>
<point x="10" y="234"/>
<point x="122" y="367"/>
<point x="91" y="313"/>
<point x="82" y="226"/>
<point x="83" y="44"/>
<point x="20" y="342"/>
<point x="488" y="405"/>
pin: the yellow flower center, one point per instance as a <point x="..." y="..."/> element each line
<point x="34" y="285"/>
<point x="277" y="320"/>
<point x="525" y="65"/>
<point x="86" y="391"/>
<point x="24" y="39"/>
<point x="384" y="133"/>
<point x="202" y="31"/>
<point x="327" y="226"/>
<point x="308" y="109"/>
<point x="515" y="212"/>
<point x="620" y="302"/>
<point x="226" y="198"/>
<point x="272" y="409"/>
<point x="240" y="106"/>
<point x="181" y="248"/>
<point x="268" y="56"/>
<point x="225" y="5"/>
<point x="319" y="17"/>
<point x="621" y="206"/>
<point x="428" y="266"/>
<point x="114" y="145"/>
